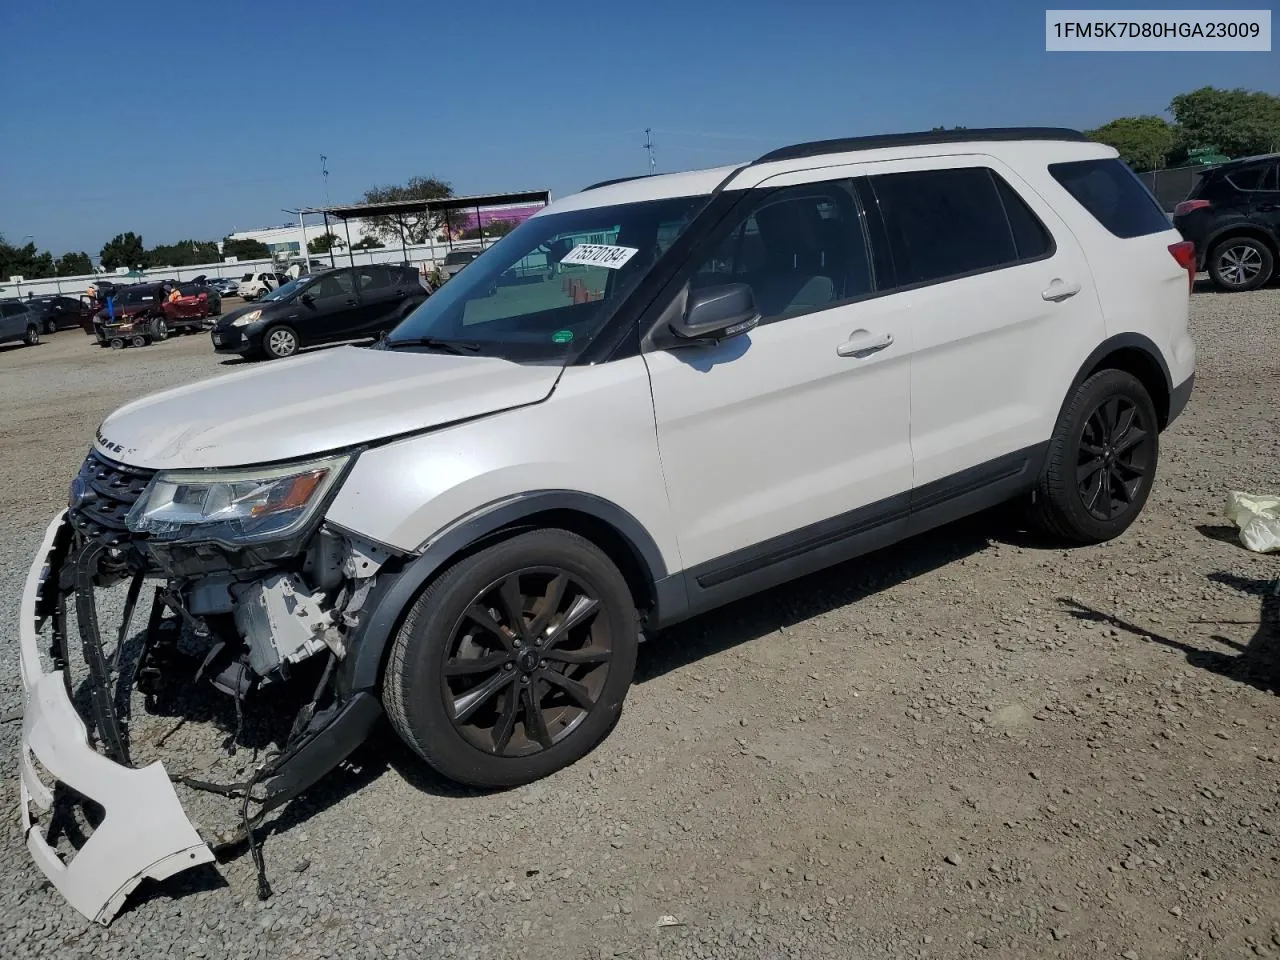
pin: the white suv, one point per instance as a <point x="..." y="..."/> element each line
<point x="654" y="397"/>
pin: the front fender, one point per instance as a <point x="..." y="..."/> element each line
<point x="398" y="584"/>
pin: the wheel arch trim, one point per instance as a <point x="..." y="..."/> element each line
<point x="1241" y="228"/>
<point x="395" y="591"/>
<point x="1120" y="342"/>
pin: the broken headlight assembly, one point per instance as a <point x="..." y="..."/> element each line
<point x="235" y="506"/>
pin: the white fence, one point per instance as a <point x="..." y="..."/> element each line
<point x="424" y="256"/>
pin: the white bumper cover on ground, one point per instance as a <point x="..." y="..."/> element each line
<point x="144" y="833"/>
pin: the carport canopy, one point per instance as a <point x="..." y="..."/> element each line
<point x="400" y="208"/>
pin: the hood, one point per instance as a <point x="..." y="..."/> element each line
<point x="314" y="403"/>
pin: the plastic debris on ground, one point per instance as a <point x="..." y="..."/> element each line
<point x="1258" y="519"/>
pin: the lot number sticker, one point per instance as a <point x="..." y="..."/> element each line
<point x="599" y="255"/>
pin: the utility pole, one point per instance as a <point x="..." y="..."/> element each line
<point x="648" y="145"/>
<point x="324" y="173"/>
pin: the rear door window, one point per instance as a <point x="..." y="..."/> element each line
<point x="944" y="224"/>
<point x="1114" y="195"/>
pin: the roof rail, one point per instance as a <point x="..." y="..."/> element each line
<point x="851" y="144"/>
<point x="609" y="183"/>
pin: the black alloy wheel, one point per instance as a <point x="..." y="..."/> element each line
<point x="527" y="662"/>
<point x="1101" y="461"/>
<point x="1115" y="459"/>
<point x="515" y="661"/>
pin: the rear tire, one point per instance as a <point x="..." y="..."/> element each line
<point x="1101" y="462"/>
<point x="1240" y="263"/>
<point x="497" y="677"/>
<point x="160" y="330"/>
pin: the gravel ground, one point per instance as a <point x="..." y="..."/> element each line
<point x="971" y="745"/>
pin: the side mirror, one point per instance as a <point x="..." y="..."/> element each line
<point x="717" y="313"/>
<point x="307" y="298"/>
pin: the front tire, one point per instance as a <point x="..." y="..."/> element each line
<point x="1240" y="263"/>
<point x="279" y="342"/>
<point x="1101" y="462"/>
<point x="160" y="330"/>
<point x="32" y="337"/>
<point x="515" y="662"/>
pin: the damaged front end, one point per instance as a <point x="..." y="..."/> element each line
<point x="244" y="585"/>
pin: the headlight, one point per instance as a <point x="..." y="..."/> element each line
<point x="234" y="506"/>
<point x="247" y="319"/>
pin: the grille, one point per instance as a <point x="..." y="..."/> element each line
<point x="102" y="495"/>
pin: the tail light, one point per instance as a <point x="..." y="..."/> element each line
<point x="1186" y="206"/>
<point x="1185" y="253"/>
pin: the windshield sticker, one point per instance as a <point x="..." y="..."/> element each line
<point x="562" y="336"/>
<point x="599" y="255"/>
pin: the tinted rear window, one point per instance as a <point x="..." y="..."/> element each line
<point x="1114" y="195"/>
<point x="953" y="222"/>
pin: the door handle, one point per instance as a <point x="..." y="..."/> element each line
<point x="861" y="344"/>
<point x="351" y="302"/>
<point x="1059" y="291"/>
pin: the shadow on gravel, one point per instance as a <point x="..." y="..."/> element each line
<point x="826" y="590"/>
<point x="1223" y="534"/>
<point x="1257" y="661"/>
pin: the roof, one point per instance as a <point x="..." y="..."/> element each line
<point x="962" y="135"/>
<point x="799" y="156"/>
<point x="391" y="207"/>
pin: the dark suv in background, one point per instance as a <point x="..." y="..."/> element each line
<point x="347" y="303"/>
<point x="1233" y="217"/>
<point x="57" y="312"/>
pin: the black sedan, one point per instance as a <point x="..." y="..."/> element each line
<point x="348" y="303"/>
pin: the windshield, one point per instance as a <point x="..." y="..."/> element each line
<point x="545" y="289"/>
<point x="287" y="290"/>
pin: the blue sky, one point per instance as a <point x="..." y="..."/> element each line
<point x="179" y="122"/>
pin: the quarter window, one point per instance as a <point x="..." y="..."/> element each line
<point x="800" y="248"/>
<point x="1114" y="195"/>
<point x="1251" y="178"/>
<point x="949" y="223"/>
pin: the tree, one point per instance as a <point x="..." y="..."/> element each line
<point x="25" y="261"/>
<point x="184" y="253"/>
<point x="245" y="249"/>
<point x="938" y="129"/>
<point x="418" y="227"/>
<point x="1238" y="122"/>
<point x="123" y="250"/>
<point x="1145" y="142"/>
<point x="73" y="265"/>
<point x="325" y="242"/>
<point x="368" y="243"/>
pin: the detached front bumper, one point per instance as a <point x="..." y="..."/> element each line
<point x="144" y="833"/>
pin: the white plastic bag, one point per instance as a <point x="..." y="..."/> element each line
<point x="1258" y="518"/>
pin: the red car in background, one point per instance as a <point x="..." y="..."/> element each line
<point x="144" y="312"/>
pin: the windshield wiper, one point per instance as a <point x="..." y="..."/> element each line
<point x="458" y="348"/>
